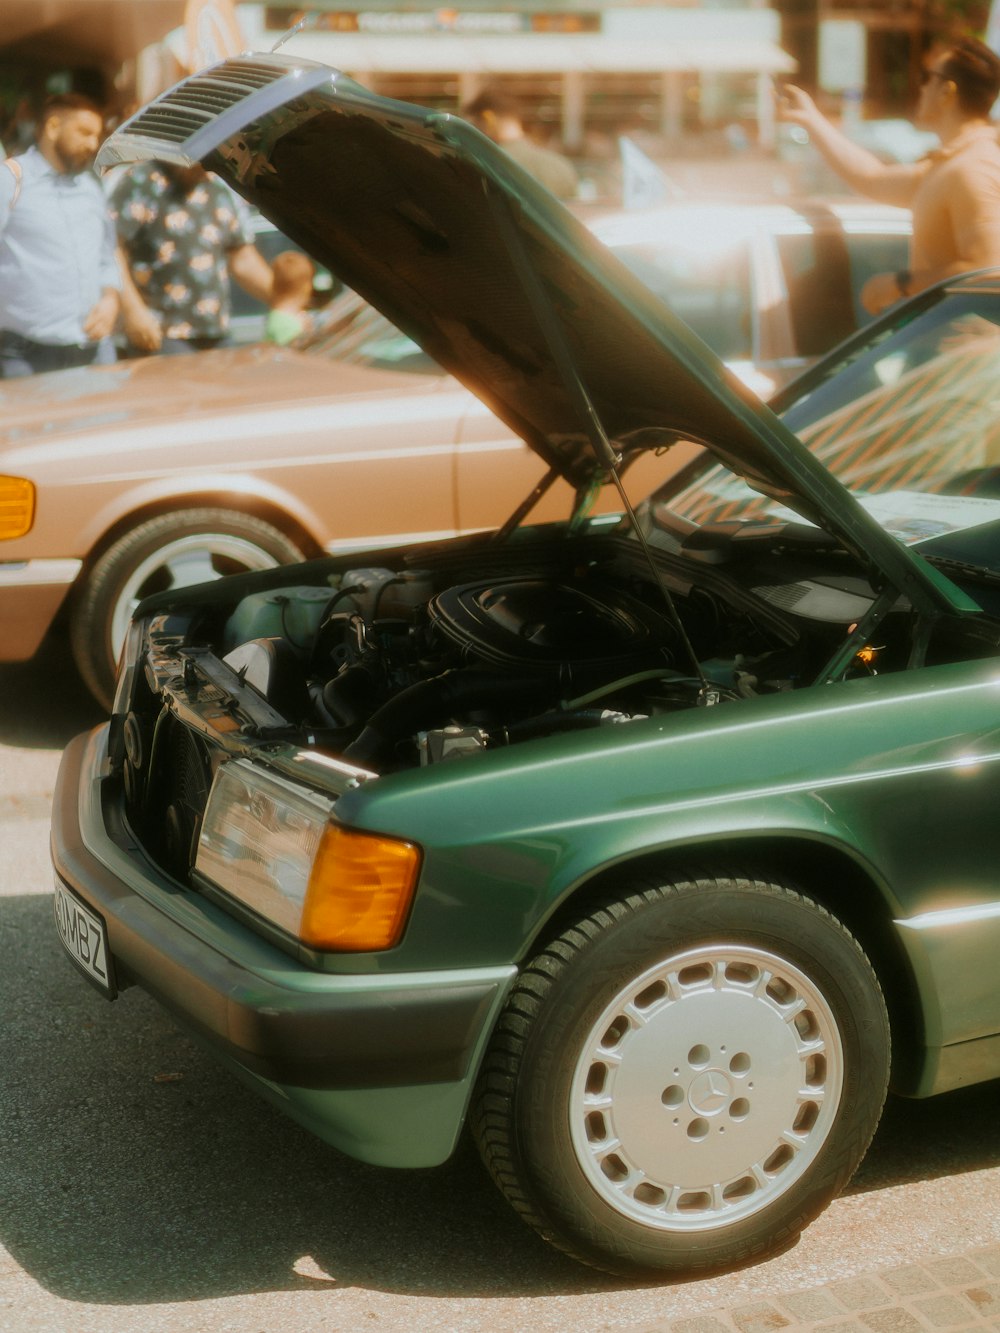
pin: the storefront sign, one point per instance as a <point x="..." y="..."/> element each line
<point x="421" y="22"/>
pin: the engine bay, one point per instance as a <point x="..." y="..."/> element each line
<point x="446" y="652"/>
<point x="397" y="668"/>
<point x="390" y="667"/>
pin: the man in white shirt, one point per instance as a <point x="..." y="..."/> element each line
<point x="59" y="280"/>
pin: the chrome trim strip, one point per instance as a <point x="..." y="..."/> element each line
<point x="34" y="573"/>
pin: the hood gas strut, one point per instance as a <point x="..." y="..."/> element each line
<point x="604" y="451"/>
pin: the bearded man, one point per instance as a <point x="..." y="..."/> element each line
<point x="59" y="280"/>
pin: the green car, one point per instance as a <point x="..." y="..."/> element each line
<point x="649" y="847"/>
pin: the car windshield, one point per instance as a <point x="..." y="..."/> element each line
<point x="902" y="423"/>
<point x="708" y="286"/>
<point x="352" y="332"/>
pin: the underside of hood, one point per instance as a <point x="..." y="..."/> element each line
<point x="429" y="221"/>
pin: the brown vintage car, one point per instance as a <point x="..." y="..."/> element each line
<point x="117" y="482"/>
<point x="120" y="481"/>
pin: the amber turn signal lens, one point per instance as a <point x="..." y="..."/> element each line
<point x="359" y="893"/>
<point x="17" y="507"/>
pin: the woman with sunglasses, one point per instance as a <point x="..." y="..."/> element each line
<point x="953" y="191"/>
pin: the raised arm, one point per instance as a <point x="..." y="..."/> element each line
<point x="861" y="169"/>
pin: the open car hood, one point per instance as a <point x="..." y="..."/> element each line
<point x="429" y="221"/>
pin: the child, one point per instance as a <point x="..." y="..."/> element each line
<point x="290" y="296"/>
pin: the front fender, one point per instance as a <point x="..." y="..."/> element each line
<point x="238" y="492"/>
<point x="896" y="773"/>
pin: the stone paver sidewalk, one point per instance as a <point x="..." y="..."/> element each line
<point x="955" y="1293"/>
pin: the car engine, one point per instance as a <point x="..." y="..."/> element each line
<point x="393" y="668"/>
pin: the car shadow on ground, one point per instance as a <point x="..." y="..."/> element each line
<point x="931" y="1138"/>
<point x="43" y="703"/>
<point x="138" y="1171"/>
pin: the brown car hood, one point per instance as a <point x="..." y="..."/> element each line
<point x="150" y="389"/>
<point x="435" y="226"/>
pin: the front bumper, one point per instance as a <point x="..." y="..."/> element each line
<point x="313" y="1041"/>
<point x="31" y="593"/>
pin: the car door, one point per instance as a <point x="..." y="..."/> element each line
<point x="823" y="259"/>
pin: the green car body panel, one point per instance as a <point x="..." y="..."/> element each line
<point x="848" y="770"/>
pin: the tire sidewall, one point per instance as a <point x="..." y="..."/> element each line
<point x="99" y="595"/>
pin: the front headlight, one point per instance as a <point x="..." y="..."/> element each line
<point x="273" y="846"/>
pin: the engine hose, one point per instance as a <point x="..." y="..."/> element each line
<point x="548" y="723"/>
<point x="433" y="703"/>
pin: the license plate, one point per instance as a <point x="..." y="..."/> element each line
<point x="85" y="938"/>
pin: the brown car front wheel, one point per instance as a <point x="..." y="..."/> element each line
<point x="169" y="551"/>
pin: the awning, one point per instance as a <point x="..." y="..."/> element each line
<point x="535" y="53"/>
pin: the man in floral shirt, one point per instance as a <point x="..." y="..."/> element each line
<point x="181" y="236"/>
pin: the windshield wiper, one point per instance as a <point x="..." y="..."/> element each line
<point x="950" y="566"/>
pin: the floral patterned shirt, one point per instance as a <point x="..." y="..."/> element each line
<point x="177" y="244"/>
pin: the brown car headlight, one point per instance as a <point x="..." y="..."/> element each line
<point x="274" y="846"/>
<point x="17" y="507"/>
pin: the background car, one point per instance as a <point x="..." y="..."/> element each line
<point x="769" y="286"/>
<point x="162" y="471"/>
<point x="120" y="481"/>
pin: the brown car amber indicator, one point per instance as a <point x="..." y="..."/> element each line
<point x="17" y="507"/>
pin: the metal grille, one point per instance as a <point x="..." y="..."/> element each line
<point x="181" y="795"/>
<point x="787" y="595"/>
<point x="189" y="107"/>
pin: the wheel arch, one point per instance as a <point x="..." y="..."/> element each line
<point x="93" y="611"/>
<point x="824" y="871"/>
<point x="247" y="503"/>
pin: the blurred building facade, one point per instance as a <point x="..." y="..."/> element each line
<point x="583" y="68"/>
<point x="897" y="34"/>
<point x="587" y="71"/>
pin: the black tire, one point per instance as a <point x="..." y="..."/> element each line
<point x="685" y="1078"/>
<point x="171" y="550"/>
